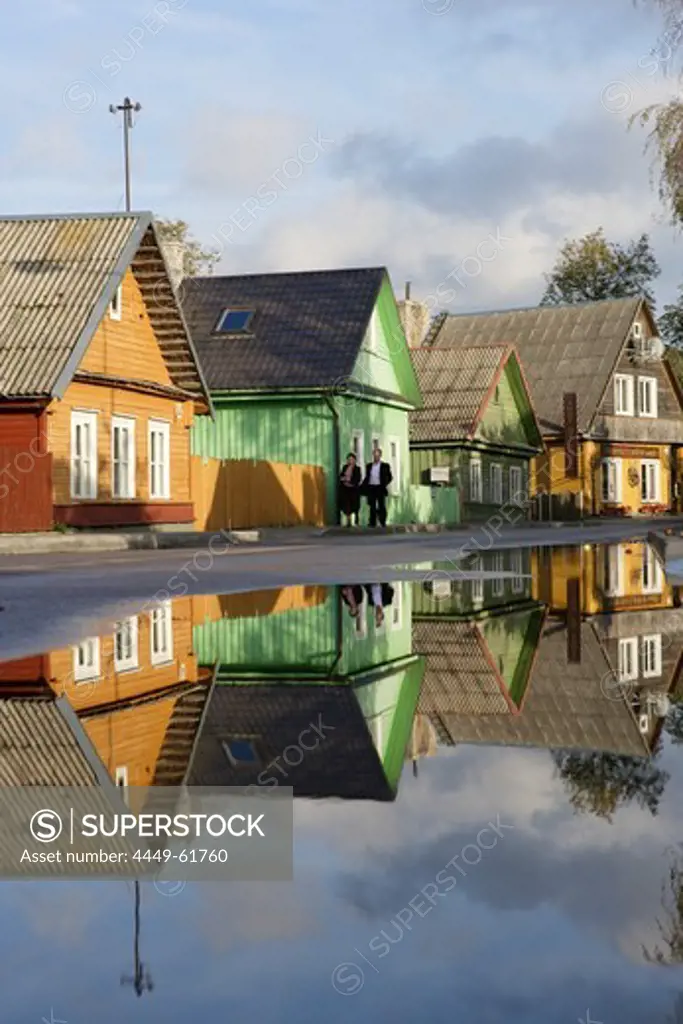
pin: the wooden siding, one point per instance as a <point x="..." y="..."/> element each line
<point x="114" y="686"/>
<point x="245" y="493"/>
<point x="132" y="738"/>
<point x="108" y="402"/>
<point x="127" y="347"/>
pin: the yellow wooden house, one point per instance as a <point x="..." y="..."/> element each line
<point x="99" y="381"/>
<point x="609" y="407"/>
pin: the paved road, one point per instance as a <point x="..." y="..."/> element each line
<point x="51" y="600"/>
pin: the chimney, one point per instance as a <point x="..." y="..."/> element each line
<point x="414" y="318"/>
<point x="174" y="254"/>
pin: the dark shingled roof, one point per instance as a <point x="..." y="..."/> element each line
<point x="561" y="348"/>
<point x="307" y="329"/>
<point x="566" y="705"/>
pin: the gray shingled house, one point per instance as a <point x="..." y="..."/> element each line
<point x="601" y="388"/>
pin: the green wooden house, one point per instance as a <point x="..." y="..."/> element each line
<point x="477" y="427"/>
<point x="303" y="368"/>
<point x="277" y="675"/>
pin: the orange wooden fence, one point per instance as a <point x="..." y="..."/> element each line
<point x="239" y="494"/>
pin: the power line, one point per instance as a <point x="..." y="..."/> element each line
<point x="127" y="108"/>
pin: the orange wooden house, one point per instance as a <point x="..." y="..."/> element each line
<point x="99" y="380"/>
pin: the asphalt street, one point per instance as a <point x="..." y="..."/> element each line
<point x="51" y="600"/>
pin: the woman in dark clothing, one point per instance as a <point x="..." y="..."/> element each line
<point x="349" y="489"/>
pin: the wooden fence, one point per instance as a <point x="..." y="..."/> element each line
<point x="25" y="490"/>
<point x="239" y="494"/>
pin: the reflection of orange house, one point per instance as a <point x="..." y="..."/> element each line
<point x="611" y="577"/>
<point x="137" y="692"/>
<point x="99" y="381"/>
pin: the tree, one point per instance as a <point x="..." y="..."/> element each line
<point x="599" y="783"/>
<point x="591" y="268"/>
<point x="671" y="322"/>
<point x="196" y="259"/>
<point x="670" y="926"/>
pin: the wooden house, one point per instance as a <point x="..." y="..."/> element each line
<point x="303" y="368"/>
<point x="608" y="404"/>
<point x="476" y="428"/>
<point x="99" y="382"/>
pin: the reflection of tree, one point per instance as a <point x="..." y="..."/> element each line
<point x="599" y="783"/>
<point x="671" y="925"/>
<point x="674" y="723"/>
<point x="677" y="1012"/>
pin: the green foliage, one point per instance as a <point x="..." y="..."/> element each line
<point x="197" y="259"/>
<point x="599" y="783"/>
<point x="670" y="925"/>
<point x="665" y="143"/>
<point x="591" y="268"/>
<point x="671" y="324"/>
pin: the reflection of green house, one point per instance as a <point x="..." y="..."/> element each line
<point x="478" y="666"/>
<point x="477" y="426"/>
<point x="447" y="588"/>
<point x="282" y="674"/>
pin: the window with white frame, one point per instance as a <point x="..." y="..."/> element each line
<point x="159" y="459"/>
<point x="87" y="660"/>
<point x="497" y="484"/>
<point x="628" y="659"/>
<point x="121" y="779"/>
<point x="126" y="644"/>
<point x="652" y="571"/>
<point x="476" y="483"/>
<point x="122" y="457"/>
<point x="614" y="570"/>
<point x="396" y="608"/>
<point x="623" y="395"/>
<point x="116" y="304"/>
<point x="647" y="396"/>
<point x="651" y="655"/>
<point x="358" y="448"/>
<point x="649" y="480"/>
<point x="83" y="454"/>
<point x="394" y="459"/>
<point x="161" y="634"/>
<point x="517" y="496"/>
<point x="498" y="588"/>
<point x="610" y="470"/>
<point x="517" y="567"/>
<point x="478" y="583"/>
<point x="375" y="442"/>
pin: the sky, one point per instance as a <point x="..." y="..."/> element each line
<point x="436" y="137"/>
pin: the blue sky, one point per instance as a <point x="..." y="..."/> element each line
<point x="440" y="129"/>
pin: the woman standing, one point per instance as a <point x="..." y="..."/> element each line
<point x="349" y="489"/>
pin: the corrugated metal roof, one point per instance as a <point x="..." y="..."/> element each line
<point x="38" y="748"/>
<point x="58" y="274"/>
<point x="454" y="383"/>
<point x="561" y="348"/>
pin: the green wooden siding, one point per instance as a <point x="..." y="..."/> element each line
<point x="370" y="646"/>
<point x="512" y="640"/>
<point x="471" y="597"/>
<point x="505" y="418"/>
<point x="388" y="705"/>
<point x="458" y="459"/>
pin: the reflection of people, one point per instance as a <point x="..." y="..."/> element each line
<point x="378" y="476"/>
<point x="380" y="596"/>
<point x="353" y="599"/>
<point x="349" y="489"/>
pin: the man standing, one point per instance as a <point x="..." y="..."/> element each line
<point x="375" y="486"/>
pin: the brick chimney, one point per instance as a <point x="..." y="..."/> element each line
<point x="414" y="318"/>
<point x="174" y="255"/>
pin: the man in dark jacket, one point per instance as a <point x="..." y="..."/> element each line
<point x="375" y="486"/>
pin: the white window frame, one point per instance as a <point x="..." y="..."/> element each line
<point x="84" y="418"/>
<point x="382" y="628"/>
<point x="496" y="480"/>
<point x="133" y="660"/>
<point x="476" y="492"/>
<point x="517" y="567"/>
<point x="651" y="671"/>
<point x="124" y="423"/>
<point x="651" y="561"/>
<point x="161" y="615"/>
<point x="396" y="608"/>
<point x="627" y="659"/>
<point x="605" y="494"/>
<point x="87" y="673"/>
<point x="375" y="442"/>
<point x="116" y="304"/>
<point x="121" y="777"/>
<point x="647" y="385"/>
<point x="614" y="582"/>
<point x="628" y="407"/>
<point x="498" y="586"/>
<point x="648" y="466"/>
<point x="358" y="447"/>
<point x="477" y="584"/>
<point x="163" y="429"/>
<point x="516" y="485"/>
<point x="395" y="463"/>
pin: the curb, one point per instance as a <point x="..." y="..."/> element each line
<point x="56" y="543"/>
<point x="383" y="531"/>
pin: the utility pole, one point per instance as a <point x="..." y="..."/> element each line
<point x="127" y="108"/>
<point x="141" y="979"/>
